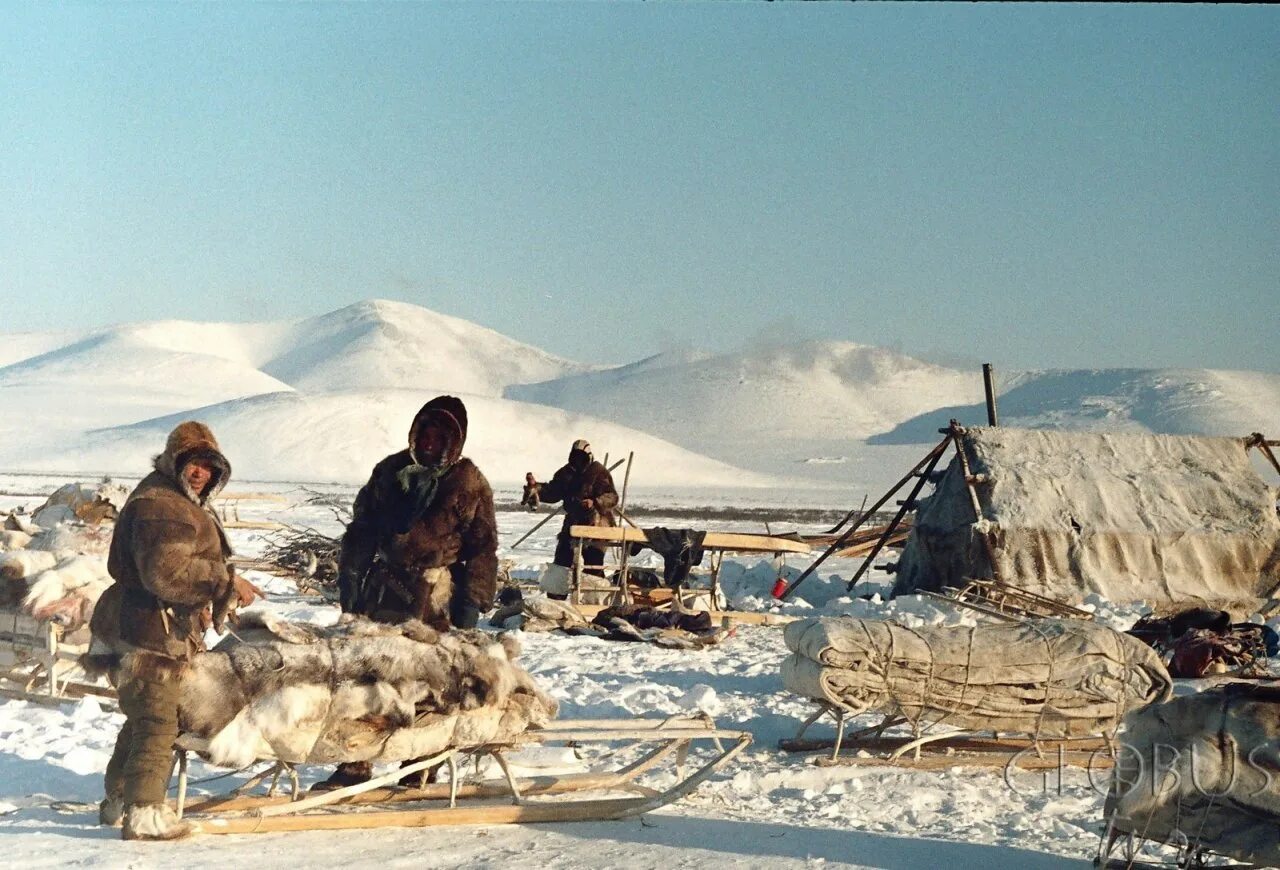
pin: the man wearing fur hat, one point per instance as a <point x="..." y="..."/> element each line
<point x="423" y="542"/>
<point x="586" y="488"/>
<point x="168" y="558"/>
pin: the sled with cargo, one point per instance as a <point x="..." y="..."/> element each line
<point x="39" y="660"/>
<point x="453" y="704"/>
<point x="1034" y="694"/>
<point x="616" y="789"/>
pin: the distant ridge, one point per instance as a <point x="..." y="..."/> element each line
<point x="326" y="395"/>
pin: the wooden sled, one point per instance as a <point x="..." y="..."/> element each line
<point x="942" y="750"/>
<point x="38" y="662"/>
<point x="511" y="800"/>
<point x="1006" y="601"/>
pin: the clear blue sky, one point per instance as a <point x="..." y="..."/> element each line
<point x="1043" y="186"/>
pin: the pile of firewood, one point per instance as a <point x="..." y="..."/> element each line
<point x="309" y="555"/>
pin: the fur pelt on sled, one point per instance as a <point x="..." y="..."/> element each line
<point x="355" y="691"/>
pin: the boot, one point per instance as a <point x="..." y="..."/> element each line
<point x="155" y="822"/>
<point x="351" y="773"/>
<point x="422" y="777"/>
<point x="111" y="812"/>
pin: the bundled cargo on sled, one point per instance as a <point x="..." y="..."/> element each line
<point x="294" y="694"/>
<point x="1043" y="679"/>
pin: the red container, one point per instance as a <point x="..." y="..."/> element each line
<point x="779" y="587"/>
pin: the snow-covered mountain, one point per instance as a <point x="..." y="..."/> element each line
<point x="1172" y="401"/>
<point x="338" y="436"/>
<point x="822" y="409"/>
<point x="783" y="408"/>
<point x="321" y="398"/>
<point x="378" y="344"/>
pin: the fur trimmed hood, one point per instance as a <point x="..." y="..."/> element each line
<point x="187" y="442"/>
<point x="450" y="415"/>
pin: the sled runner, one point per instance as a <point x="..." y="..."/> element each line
<point x="380" y="802"/>
<point x="926" y="749"/>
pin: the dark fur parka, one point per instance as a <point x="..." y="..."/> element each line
<point x="168" y="554"/>
<point x="573" y="484"/>
<point x="390" y="542"/>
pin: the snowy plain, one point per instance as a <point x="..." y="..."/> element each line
<point x="768" y="809"/>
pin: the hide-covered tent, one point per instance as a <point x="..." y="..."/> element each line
<point x="1163" y="518"/>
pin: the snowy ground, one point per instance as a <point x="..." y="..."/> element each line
<point x="769" y="809"/>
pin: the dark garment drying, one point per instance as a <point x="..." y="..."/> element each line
<point x="680" y="550"/>
<point x="644" y="618"/>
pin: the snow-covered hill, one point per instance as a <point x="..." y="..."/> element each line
<point x="379" y="344"/>
<point x="338" y="436"/>
<point x="833" y="409"/>
<point x="1172" y="401"/>
<point x="788" y="409"/>
<point x="322" y="397"/>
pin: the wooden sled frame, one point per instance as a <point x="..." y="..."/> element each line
<point x="42" y="662"/>
<point x="1006" y="601"/>
<point x="239" y="813"/>
<point x="942" y="750"/>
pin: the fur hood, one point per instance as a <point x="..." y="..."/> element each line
<point x="190" y="441"/>
<point x="447" y="413"/>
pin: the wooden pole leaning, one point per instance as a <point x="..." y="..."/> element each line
<point x="907" y="505"/>
<point x="930" y="460"/>
<point x="623" y="591"/>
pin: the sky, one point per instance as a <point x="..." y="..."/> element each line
<point x="1037" y="185"/>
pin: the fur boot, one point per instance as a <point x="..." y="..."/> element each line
<point x="111" y="812"/>
<point x="155" y="822"/>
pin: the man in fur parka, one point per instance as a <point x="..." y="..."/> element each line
<point x="423" y="541"/>
<point x="168" y="558"/>
<point x="586" y="488"/>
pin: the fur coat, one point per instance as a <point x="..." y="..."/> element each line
<point x="574" y="484"/>
<point x="168" y="554"/>
<point x="394" y="542"/>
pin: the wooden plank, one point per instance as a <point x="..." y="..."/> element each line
<point x="933" y="761"/>
<point x="730" y="541"/>
<point x="897" y="539"/>
<point x="497" y="814"/>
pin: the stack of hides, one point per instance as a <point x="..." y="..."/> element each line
<point x="55" y="573"/>
<point x="1204" y="770"/>
<point x="1047" y="679"/>
<point x="356" y="691"/>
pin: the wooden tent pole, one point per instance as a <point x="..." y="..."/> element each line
<point x="989" y="386"/>
<point x="907" y="505"/>
<point x="625" y="592"/>
<point x="930" y="459"/>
